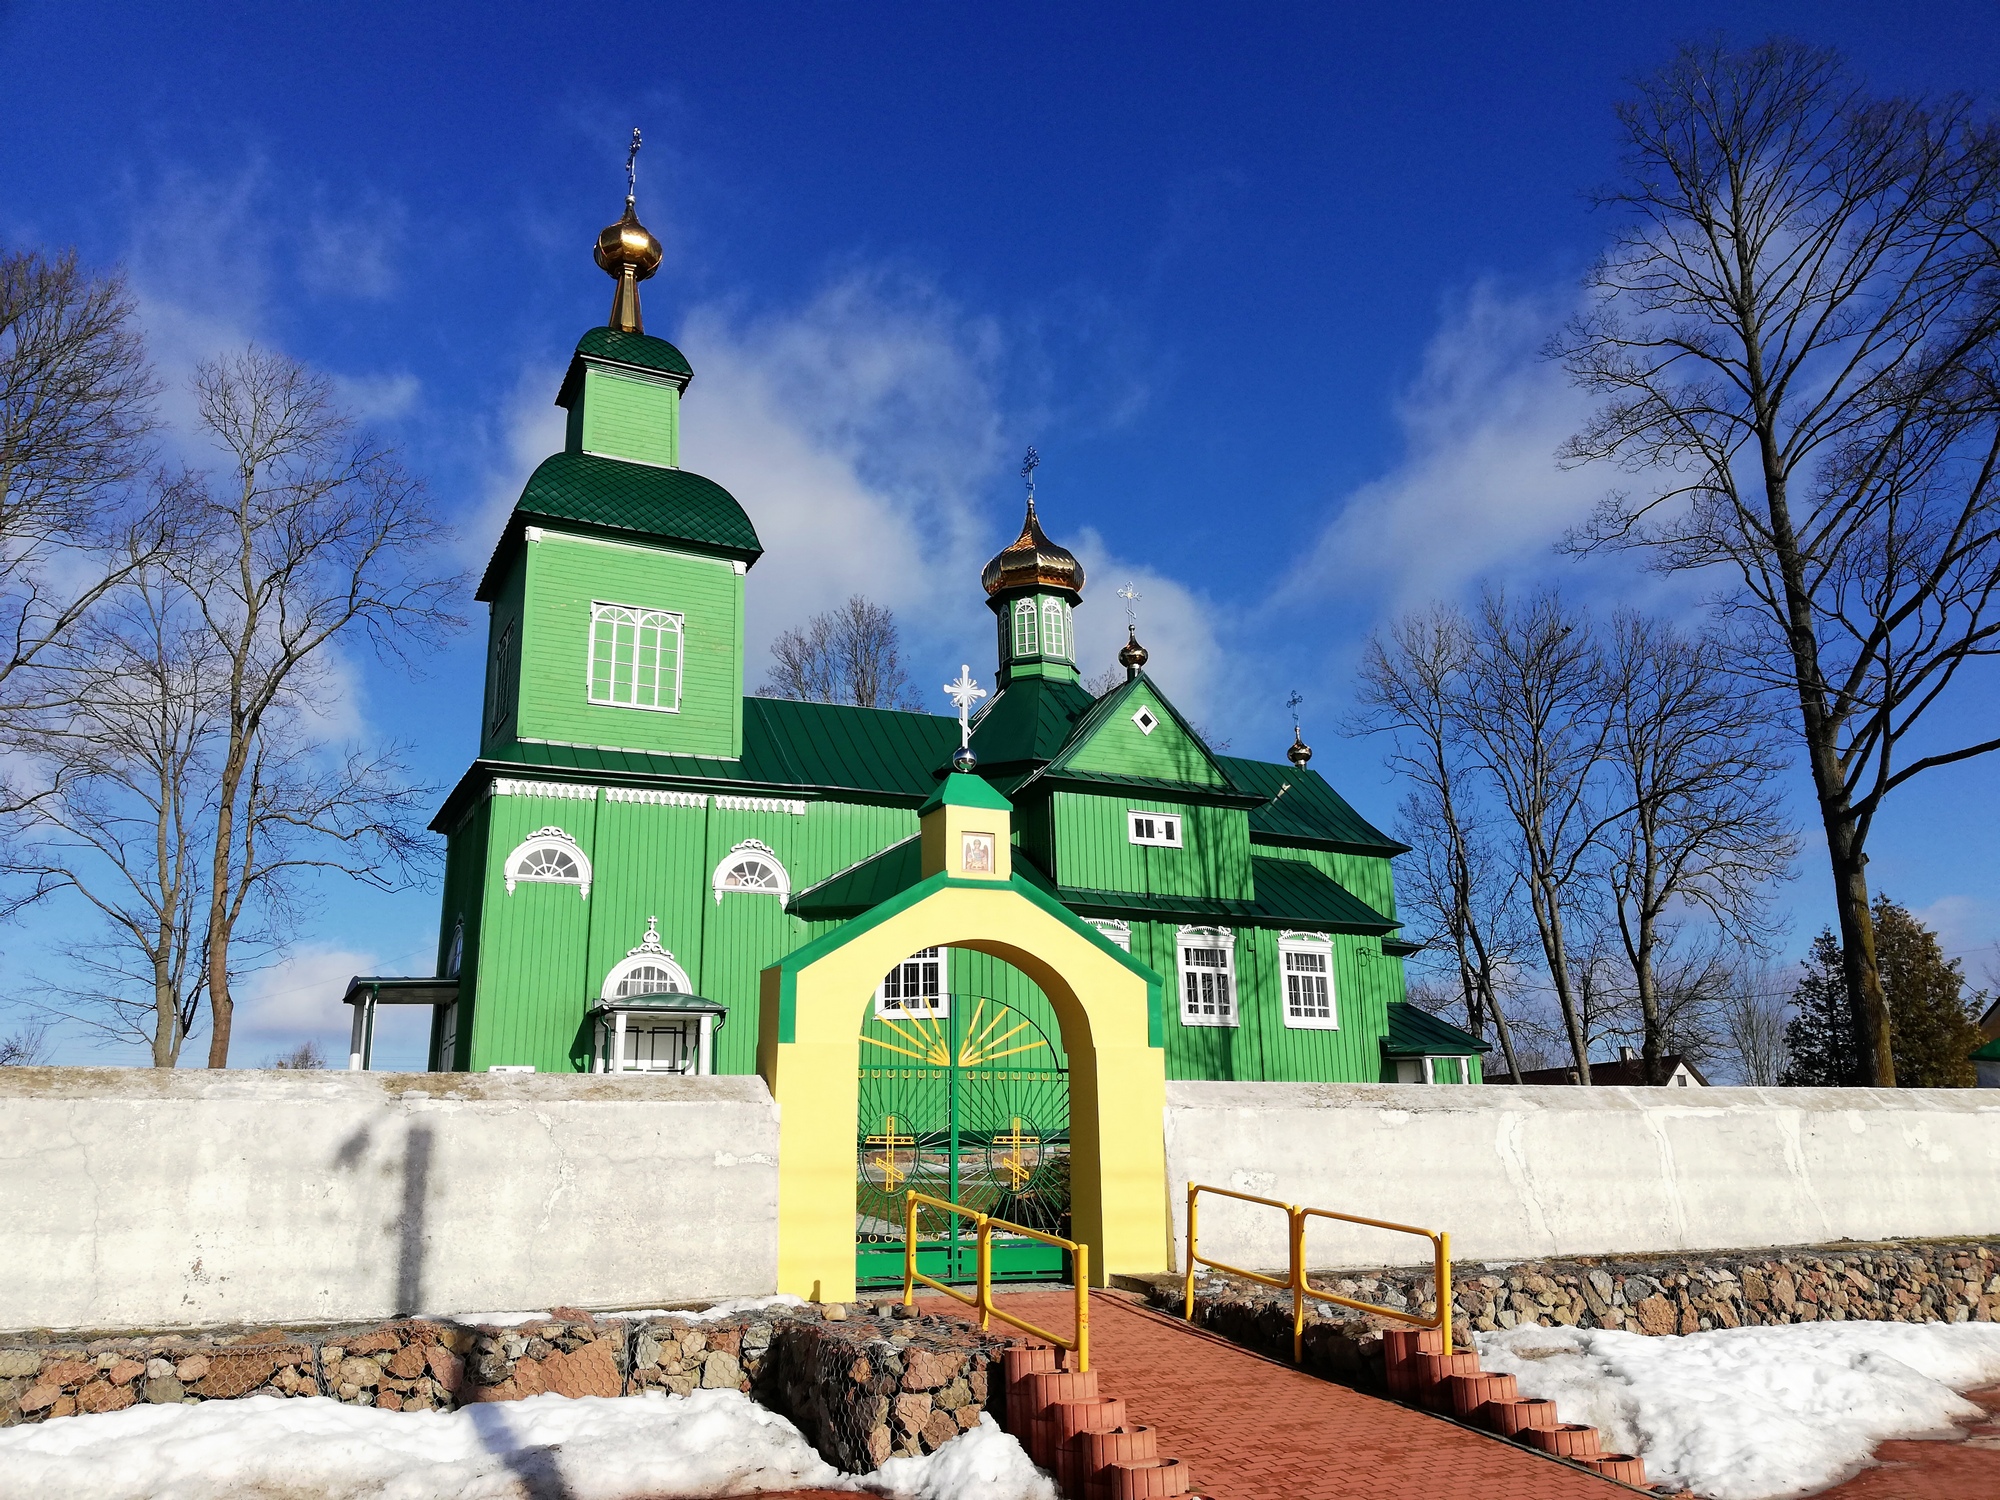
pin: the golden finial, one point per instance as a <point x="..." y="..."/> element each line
<point x="628" y="252"/>
<point x="1300" y="753"/>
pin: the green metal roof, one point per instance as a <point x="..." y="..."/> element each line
<point x="861" y="886"/>
<point x="1030" y="719"/>
<point x="608" y="496"/>
<point x="1988" y="1053"/>
<point x="1415" y="1032"/>
<point x="1305" y="811"/>
<point x="962" y="790"/>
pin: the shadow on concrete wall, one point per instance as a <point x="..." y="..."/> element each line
<point x="412" y="1224"/>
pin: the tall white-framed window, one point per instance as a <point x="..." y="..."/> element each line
<point x="635" y="657"/>
<point x="1114" y="930"/>
<point x="549" y="856"/>
<point x="915" y="987"/>
<point x="1055" y="628"/>
<point x="751" y="866"/>
<point x="1208" y="976"/>
<point x="1162" y="829"/>
<point x="454" y="956"/>
<point x="647" y="969"/>
<point x="1027" y="639"/>
<point x="506" y="678"/>
<point x="1306" y="959"/>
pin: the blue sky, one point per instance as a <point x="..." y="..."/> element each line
<point x="1264" y="284"/>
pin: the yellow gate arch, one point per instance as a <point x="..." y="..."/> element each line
<point x="1108" y="1003"/>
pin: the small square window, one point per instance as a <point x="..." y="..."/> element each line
<point x="1160" y="829"/>
<point x="976" y="854"/>
<point x="1146" y="720"/>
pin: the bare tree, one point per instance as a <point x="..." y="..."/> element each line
<point x="27" y="1047"/>
<point x="304" y="1057"/>
<point x="314" y="538"/>
<point x="852" y="654"/>
<point x="1796" y="331"/>
<point x="76" y="419"/>
<point x="1533" y="715"/>
<point x="1413" y="687"/>
<point x="1753" y="1015"/>
<point x="1694" y="760"/>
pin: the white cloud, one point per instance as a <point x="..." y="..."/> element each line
<point x="1477" y="494"/>
<point x="529" y="428"/>
<point x="1178" y="627"/>
<point x="298" y="1000"/>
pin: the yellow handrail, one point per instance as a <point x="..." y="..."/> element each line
<point x="984" y="1225"/>
<point x="1296" y="1283"/>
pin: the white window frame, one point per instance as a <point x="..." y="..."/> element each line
<point x="454" y="956"/>
<point x="1318" y="945"/>
<point x="1159" y="830"/>
<point x="1427" y="1065"/>
<point x="1115" y="932"/>
<point x="649" y="954"/>
<point x="506" y="678"/>
<point x="764" y="854"/>
<point x="552" y="838"/>
<point x="1222" y="938"/>
<point x="1027" y="629"/>
<point x="642" y="618"/>
<point x="1055" y="629"/>
<point x="941" y="1006"/>
<point x="1146" y="719"/>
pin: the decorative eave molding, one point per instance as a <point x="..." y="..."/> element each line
<point x="579" y="791"/>
<point x="649" y="797"/>
<point x="796" y="807"/>
<point x="507" y="786"/>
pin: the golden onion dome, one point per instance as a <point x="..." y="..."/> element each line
<point x="628" y="253"/>
<point x="1032" y="561"/>
<point x="1132" y="656"/>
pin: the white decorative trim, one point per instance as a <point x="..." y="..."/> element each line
<point x="1146" y="719"/>
<point x="549" y="838"/>
<point x="796" y="808"/>
<point x="652" y="798"/>
<point x="1208" y="937"/>
<point x="764" y="854"/>
<point x="533" y="533"/>
<point x="507" y="786"/>
<point x="649" y="952"/>
<point x="1319" y="944"/>
<point x="1115" y="932"/>
<point x="639" y="618"/>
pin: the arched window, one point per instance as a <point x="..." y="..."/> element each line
<point x="552" y="857"/>
<point x="1024" y="629"/>
<point x="647" y="969"/>
<point x="1055" y="629"/>
<point x="751" y="866"/>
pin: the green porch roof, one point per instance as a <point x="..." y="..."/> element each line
<point x="1304" y="811"/>
<point x="607" y="496"/>
<point x="1415" y="1032"/>
<point x="857" y="888"/>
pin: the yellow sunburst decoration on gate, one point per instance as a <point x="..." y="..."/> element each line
<point x="930" y="1045"/>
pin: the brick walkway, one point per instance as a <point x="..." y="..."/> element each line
<point x="1250" y="1428"/>
<point x="1934" y="1469"/>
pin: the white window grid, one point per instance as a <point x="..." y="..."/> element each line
<point x="752" y="867"/>
<point x="549" y="856"/>
<point x="1306" y="963"/>
<point x="1208" y="976"/>
<point x="635" y="657"/>
<point x="1026" y="642"/>
<point x="915" y="987"/>
<point x="1162" y="830"/>
<point x="1055" y="629"/>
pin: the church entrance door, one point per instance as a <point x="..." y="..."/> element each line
<point x="966" y="1101"/>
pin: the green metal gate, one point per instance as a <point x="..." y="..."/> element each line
<point x="971" y="1105"/>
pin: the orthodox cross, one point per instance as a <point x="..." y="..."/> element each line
<point x="1028" y="466"/>
<point x="965" y="692"/>
<point x="632" y="167"/>
<point x="1131" y="596"/>
<point x="1293" y="703"/>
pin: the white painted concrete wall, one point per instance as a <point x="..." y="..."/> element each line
<point x="135" y="1198"/>
<point x="1519" y="1172"/>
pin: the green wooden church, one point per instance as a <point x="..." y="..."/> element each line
<point x="638" y="839"/>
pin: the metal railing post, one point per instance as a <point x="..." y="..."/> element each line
<point x="1081" y="1259"/>
<point x="1444" y="1286"/>
<point x="984" y="1227"/>
<point x="910" y="1247"/>
<point x="1297" y="1219"/>
<point x="1192" y="1190"/>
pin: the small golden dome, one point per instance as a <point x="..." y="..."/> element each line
<point x="628" y="253"/>
<point x="1132" y="656"/>
<point x="1300" y="753"/>
<point x="1031" y="560"/>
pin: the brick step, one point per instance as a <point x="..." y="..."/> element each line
<point x="1082" y="1435"/>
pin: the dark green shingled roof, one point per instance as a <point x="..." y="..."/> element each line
<point x="1413" y="1032"/>
<point x="1028" y="720"/>
<point x="608" y="496"/>
<point x="1310" y="815"/>
<point x="640" y="349"/>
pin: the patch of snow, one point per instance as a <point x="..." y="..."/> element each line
<point x="709" y="1443"/>
<point x="1753" y="1413"/>
<point x="727" y="1309"/>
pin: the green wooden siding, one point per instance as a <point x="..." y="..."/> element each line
<point x="1094" y="850"/>
<point x="565" y="575"/>
<point x="464" y="881"/>
<point x="1122" y="748"/>
<point x="506" y="617"/>
<point x="622" y="416"/>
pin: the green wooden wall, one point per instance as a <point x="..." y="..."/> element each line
<point x="626" y="416"/>
<point x="1122" y="748"/>
<point x="1094" y="850"/>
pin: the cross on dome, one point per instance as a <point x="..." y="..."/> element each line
<point x="1029" y="464"/>
<point x="1131" y="596"/>
<point x="965" y="692"/>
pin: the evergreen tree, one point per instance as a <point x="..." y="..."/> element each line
<point x="1933" y="1025"/>
<point x="1820" y="1036"/>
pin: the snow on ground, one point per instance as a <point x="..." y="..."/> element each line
<point x="705" y="1315"/>
<point x="709" y="1443"/>
<point x="1754" y="1413"/>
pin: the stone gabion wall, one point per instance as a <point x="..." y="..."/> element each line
<point x="864" y="1383"/>
<point x="1901" y="1282"/>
